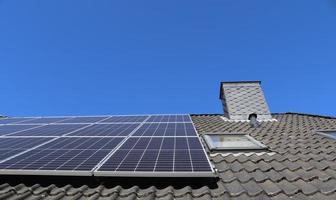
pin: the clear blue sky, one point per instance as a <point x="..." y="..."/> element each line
<point x="133" y="57"/>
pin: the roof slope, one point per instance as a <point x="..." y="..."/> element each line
<point x="302" y="166"/>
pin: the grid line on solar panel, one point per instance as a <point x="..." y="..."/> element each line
<point x="166" y="129"/>
<point x="15" y="120"/>
<point x="106" y="130"/>
<point x="87" y="120"/>
<point x="169" y="118"/>
<point x="50" y="130"/>
<point x="10" y="147"/>
<point x="45" y="120"/>
<point x="10" y="129"/>
<point x="82" y="143"/>
<point x="158" y="154"/>
<point x="125" y="119"/>
<point x="64" y="154"/>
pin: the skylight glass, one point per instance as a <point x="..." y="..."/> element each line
<point x="232" y="142"/>
<point x="329" y="134"/>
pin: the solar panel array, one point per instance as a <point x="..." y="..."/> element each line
<point x="146" y="145"/>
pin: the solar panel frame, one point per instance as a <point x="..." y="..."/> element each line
<point x="127" y="158"/>
<point x="146" y="120"/>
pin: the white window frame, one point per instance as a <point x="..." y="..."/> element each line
<point x="326" y="134"/>
<point x="212" y="146"/>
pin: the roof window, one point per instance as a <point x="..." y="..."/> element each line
<point x="232" y="142"/>
<point x="329" y="134"/>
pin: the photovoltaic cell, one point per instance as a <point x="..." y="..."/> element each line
<point x="84" y="120"/>
<point x="7" y="129"/>
<point x="152" y="144"/>
<point x="82" y="143"/>
<point x="14" y="120"/>
<point x="12" y="146"/>
<point x="44" y="120"/>
<point x="67" y="153"/>
<point x="166" y="129"/>
<point x="106" y="130"/>
<point x="50" y="130"/>
<point x="169" y="118"/>
<point x="158" y="154"/>
<point x="61" y="159"/>
<point x="125" y="119"/>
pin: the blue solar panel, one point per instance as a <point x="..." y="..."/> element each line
<point x="83" y="143"/>
<point x="66" y="153"/>
<point x="8" y="129"/>
<point x="50" y="130"/>
<point x="169" y="118"/>
<point x="12" y="146"/>
<point x="125" y="119"/>
<point x="14" y="120"/>
<point x="114" y="145"/>
<point x="84" y="120"/>
<point x="46" y="159"/>
<point x="44" y="120"/>
<point x="106" y="130"/>
<point x="159" y="154"/>
<point x="166" y="129"/>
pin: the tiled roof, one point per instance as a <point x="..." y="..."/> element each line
<point x="300" y="165"/>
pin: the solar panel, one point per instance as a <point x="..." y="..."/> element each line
<point x="44" y="120"/>
<point x="14" y="120"/>
<point x="106" y="130"/>
<point x="84" y="119"/>
<point x="63" y="154"/>
<point x="50" y="130"/>
<point x="12" y="146"/>
<point x="148" y="145"/>
<point x="125" y="119"/>
<point x="166" y="129"/>
<point x="169" y="118"/>
<point x="8" y="129"/>
<point x="157" y="155"/>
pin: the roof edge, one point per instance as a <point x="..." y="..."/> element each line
<point x="305" y="114"/>
<point x="284" y="113"/>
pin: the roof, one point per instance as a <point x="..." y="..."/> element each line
<point x="301" y="165"/>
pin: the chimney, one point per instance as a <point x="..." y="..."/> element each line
<point x="241" y="99"/>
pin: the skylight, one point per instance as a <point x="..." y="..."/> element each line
<point x="329" y="134"/>
<point x="232" y="142"/>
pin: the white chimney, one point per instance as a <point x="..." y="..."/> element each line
<point x="241" y="99"/>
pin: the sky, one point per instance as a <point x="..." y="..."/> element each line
<point x="82" y="57"/>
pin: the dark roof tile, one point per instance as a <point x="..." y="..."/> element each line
<point x="287" y="187"/>
<point x="252" y="188"/>
<point x="305" y="187"/>
<point x="234" y="188"/>
<point x="270" y="188"/>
